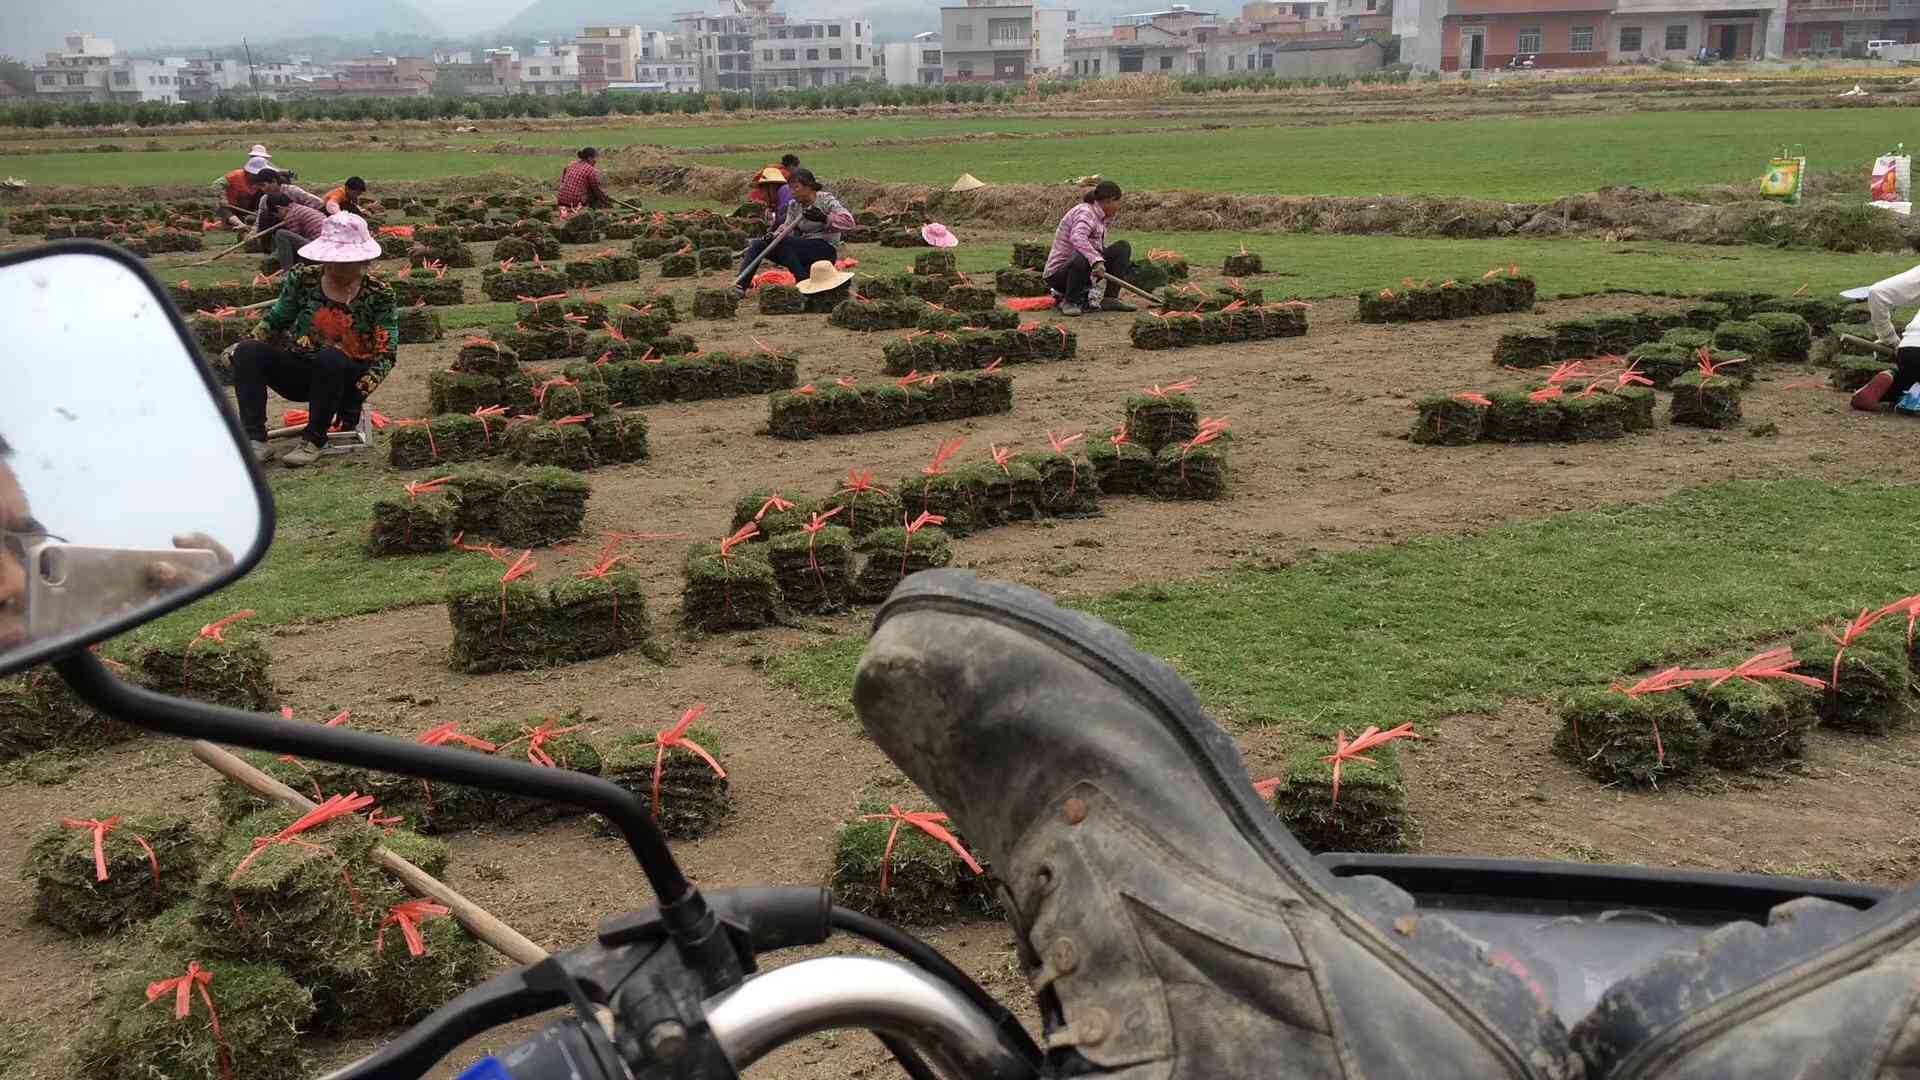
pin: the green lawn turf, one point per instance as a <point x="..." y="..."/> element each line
<point x="1425" y="629"/>
<point x="805" y="128"/>
<point x="1510" y="159"/>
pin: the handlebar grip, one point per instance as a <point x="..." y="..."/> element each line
<point x="561" y="1051"/>
<point x="781" y="918"/>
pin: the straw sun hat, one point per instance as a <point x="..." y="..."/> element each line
<point x="771" y="175"/>
<point x="968" y="182"/>
<point x="822" y="277"/>
<point x="343" y="239"/>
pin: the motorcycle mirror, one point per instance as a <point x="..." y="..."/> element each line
<point x="126" y="489"/>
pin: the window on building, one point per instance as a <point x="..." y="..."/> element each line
<point x="813" y="54"/>
<point x="1530" y="43"/>
<point x="836" y="54"/>
<point x="1131" y="62"/>
<point x="1250" y="61"/>
<point x="1266" y="61"/>
<point x="1580" y="39"/>
<point x="1166" y="63"/>
<point x="834" y="30"/>
<point x="856" y="29"/>
<point x="930" y="56"/>
<point x="856" y="51"/>
<point x="1629" y="39"/>
<point x="1676" y="36"/>
<point x="767" y="55"/>
<point x="533" y="71"/>
<point x="786" y="54"/>
<point x="963" y="32"/>
<point x="120" y="77"/>
<point x="74" y="78"/>
<point x="1096" y="67"/>
<point x="1230" y="61"/>
<point x="1819" y="40"/>
<point x="963" y="70"/>
<point x="726" y="63"/>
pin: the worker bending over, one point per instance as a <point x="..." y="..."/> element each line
<point x="814" y="221"/>
<point x="346" y="197"/>
<point x="1082" y="260"/>
<point x="580" y="183"/>
<point x="1898" y="291"/>
<point x="296" y="225"/>
<point x="239" y="191"/>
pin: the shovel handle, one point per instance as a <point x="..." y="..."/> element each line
<point x="1849" y="339"/>
<point x="1134" y="289"/>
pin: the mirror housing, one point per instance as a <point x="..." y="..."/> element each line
<point x="126" y="486"/>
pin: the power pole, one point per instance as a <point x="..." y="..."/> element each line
<point x="253" y="80"/>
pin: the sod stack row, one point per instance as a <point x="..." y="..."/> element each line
<point x="1448" y="300"/>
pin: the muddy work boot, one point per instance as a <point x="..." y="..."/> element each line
<point x="1822" y="990"/>
<point x="1112" y="301"/>
<point x="1169" y="926"/>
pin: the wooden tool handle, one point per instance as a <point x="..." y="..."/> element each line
<point x="1849" y="339"/>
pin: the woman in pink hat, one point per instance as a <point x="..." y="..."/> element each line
<point x="328" y="341"/>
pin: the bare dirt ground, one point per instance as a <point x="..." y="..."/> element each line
<point x="1320" y="462"/>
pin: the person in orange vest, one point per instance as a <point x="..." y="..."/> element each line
<point x="238" y="190"/>
<point x="347" y="196"/>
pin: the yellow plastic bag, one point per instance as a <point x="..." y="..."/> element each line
<point x="1783" y="178"/>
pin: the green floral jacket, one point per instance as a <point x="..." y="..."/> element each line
<point x="367" y="330"/>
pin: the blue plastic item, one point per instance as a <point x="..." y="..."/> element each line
<point x="487" y="1068"/>
<point x="1910" y="401"/>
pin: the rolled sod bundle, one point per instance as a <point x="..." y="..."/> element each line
<point x="63" y="870"/>
<point x="934" y="317"/>
<point x="924" y="286"/>
<point x="1067" y="487"/>
<point x="264" y="1014"/>
<point x="618" y="438"/>
<point x="1702" y="401"/>
<point x="1874" y="691"/>
<point x="1527" y="348"/>
<point x="552" y="442"/>
<point x="875" y="315"/>
<point x="504" y="285"/>
<point x="602" y="269"/>
<point x="536" y="344"/>
<point x="760" y="507"/>
<point x="590" y="314"/>
<point x="215" y="333"/>
<point x="824" y="301"/>
<point x="462" y="392"/>
<point x="291" y="902"/>
<point x="521" y="249"/>
<point x="410" y="526"/>
<point x="1615" y="334"/>
<point x="1575" y="338"/>
<point x="1241" y="265"/>
<point x="781" y="300"/>
<point x="927" y="884"/>
<point x="316" y="779"/>
<point x="1850" y="373"/>
<point x="1592" y="417"/>
<point x="231" y="670"/>
<point x="1745" y="338"/>
<point x="1030" y="256"/>
<point x="1372" y="813"/>
<point x="1638" y="741"/>
<point x="814" y="569"/>
<point x="965" y="349"/>
<point x="1789" y="337"/>
<point x="599" y="616"/>
<point x="1516" y="418"/>
<point x="954" y="495"/>
<point x="649" y="322"/>
<point x="38" y="712"/>
<point x="439" y="440"/>
<point x="893" y="554"/>
<point x="418" y="324"/>
<point x="694" y="800"/>
<point x="715" y="304"/>
<point x="937" y="261"/>
<point x="863" y="511"/>
<point x="486" y="356"/>
<point x="557" y="399"/>
<point x="701" y="378"/>
<point x="654" y="247"/>
<point x="1186" y="471"/>
<point x="1753" y="724"/>
<point x="735" y="592"/>
<point x="1014" y="282"/>
<point x="1449" y="421"/>
<point x="1155" y="420"/>
<point x="1637" y="404"/>
<point x="365" y="990"/>
<point x="1122" y="468"/>
<point x="1662" y="361"/>
<point x="1820" y="313"/>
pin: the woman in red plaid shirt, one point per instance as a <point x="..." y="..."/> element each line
<point x="580" y="184"/>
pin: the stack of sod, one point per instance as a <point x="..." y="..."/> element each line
<point x="1448" y="300"/>
<point x="734" y="592"/>
<point x="873" y="315"/>
<point x="477" y="378"/>
<point x="223" y="294"/>
<point x="1122" y="468"/>
<point x="924" y="286"/>
<point x="841" y="410"/>
<point x="694" y="799"/>
<point x="1187" y="471"/>
<point x="934" y="317"/>
<point x="893" y="554"/>
<point x="606" y="347"/>
<point x="1065" y="487"/>
<point x="1514" y="417"/>
<point x="565" y="443"/>
<point x="1663" y="361"/>
<point x="38" y="712"/>
<point x="1743" y="338"/>
<point x="1705" y="401"/>
<point x="519" y="626"/>
<point x="425" y="286"/>
<point x="902" y="238"/>
<point x="419" y="323"/>
<point x="964" y="297"/>
<point x="1030" y="256"/>
<point x="1740" y="304"/>
<point x="969" y="349"/>
<point x="1242" y="264"/>
<point x="438" y="440"/>
<point x="1527" y="348"/>
<point x="567" y="397"/>
<point x="884" y="288"/>
<point x="814" y="569"/>
<point x="1819" y="313"/>
<point x="1449" y="421"/>
<point x="781" y="300"/>
<point x="927" y="884"/>
<point x="1372" y="813"/>
<point x="701" y="378"/>
<point x="938" y="261"/>
<point x="1178" y="329"/>
<point x="1190" y="297"/>
<point x="505" y="285"/>
<point x="438" y="243"/>
<point x="862" y="512"/>
<point x="1155" y="421"/>
<point x="649" y="322"/>
<point x="1015" y="282"/>
<point x="954" y="495"/>
<point x="1789" y="337"/>
<point x="527" y="245"/>
<point x="214" y="333"/>
<point x="590" y="314"/>
<point x="1874" y="692"/>
<point x="714" y="258"/>
<point x="443" y="808"/>
<point x="233" y="672"/>
<point x="824" y="301"/>
<point x="1753" y="724"/>
<point x="1590" y="417"/>
<point x="68" y="894"/>
<point x="1707" y="315"/>
<point x="758" y="507"/>
<point x="1175" y="267"/>
<point x="579" y="227"/>
<point x="410" y="526"/>
<point x="649" y="246"/>
<point x="317" y="779"/>
<point x="1637" y="741"/>
<point x="604" y="268"/>
<point x="537" y="343"/>
<point x="1850" y="373"/>
<point x="534" y="508"/>
<point x="679" y="263"/>
<point x="715" y="303"/>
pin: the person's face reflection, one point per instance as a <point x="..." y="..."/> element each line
<point x="17" y="528"/>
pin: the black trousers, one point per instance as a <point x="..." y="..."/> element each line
<point x="1073" y="279"/>
<point x="286" y="248"/>
<point x="796" y="253"/>
<point x="1906" y="372"/>
<point x="325" y="379"/>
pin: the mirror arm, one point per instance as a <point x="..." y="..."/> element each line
<point x="706" y="947"/>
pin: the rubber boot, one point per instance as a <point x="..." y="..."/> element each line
<point x="1867" y="398"/>
<point x="1170" y="927"/>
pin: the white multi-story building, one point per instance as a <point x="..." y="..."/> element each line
<point x="996" y="41"/>
<point x="664" y="60"/>
<point x="910" y="63"/>
<point x="551" y="68"/>
<point x="802" y="53"/>
<point x="607" y="54"/>
<point x="82" y="72"/>
<point x="720" y="47"/>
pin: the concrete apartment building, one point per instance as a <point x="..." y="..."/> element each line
<point x="1170" y="42"/>
<point x="910" y="63"/>
<point x="1291" y="40"/>
<point x="606" y="55"/>
<point x="802" y="53"/>
<point x="1827" y="27"/>
<point x="550" y="68"/>
<point x="721" y="48"/>
<point x="88" y="69"/>
<point x="664" y="60"/>
<point x="1455" y="35"/>
<point x="989" y="41"/>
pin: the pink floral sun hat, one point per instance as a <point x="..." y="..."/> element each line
<point x="939" y="235"/>
<point x="344" y="238"/>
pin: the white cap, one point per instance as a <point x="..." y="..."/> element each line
<point x="259" y="150"/>
<point x="255" y="164"/>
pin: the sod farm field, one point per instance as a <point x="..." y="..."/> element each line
<point x="1503" y="469"/>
